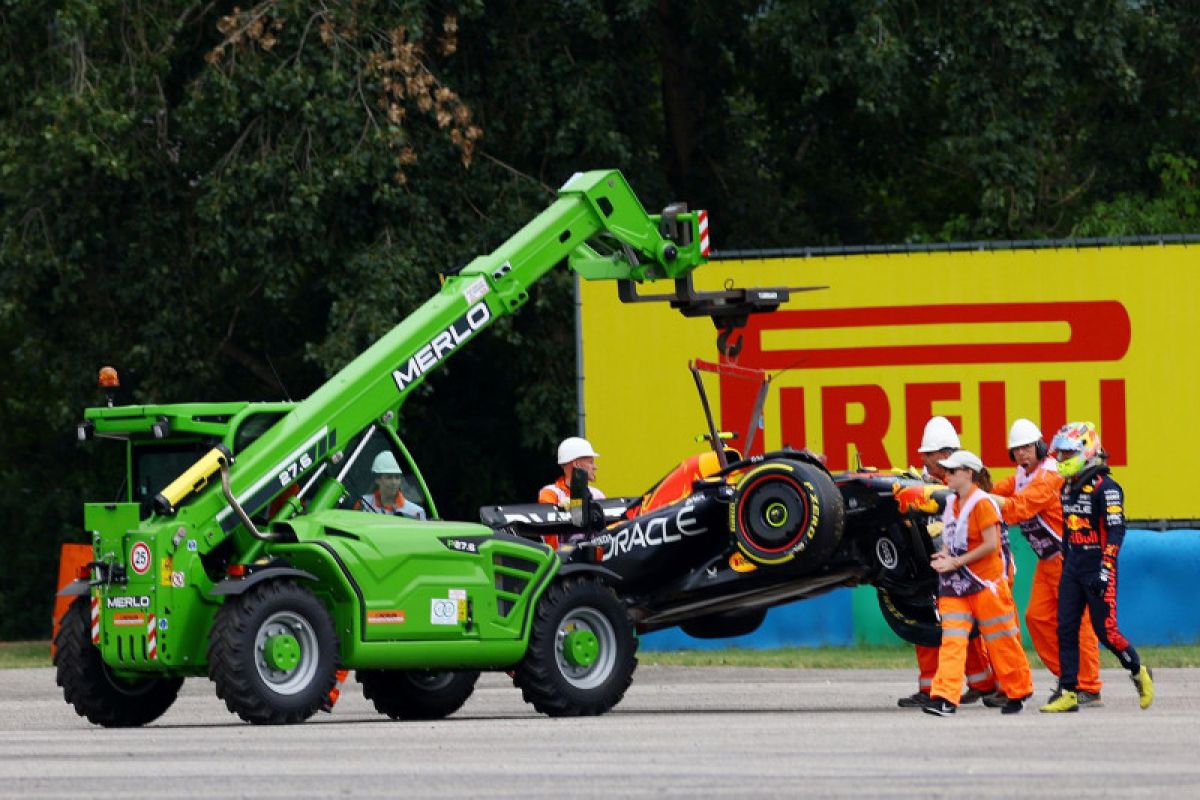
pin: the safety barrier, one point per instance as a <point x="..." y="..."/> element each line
<point x="1158" y="595"/>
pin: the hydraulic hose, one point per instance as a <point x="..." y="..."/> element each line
<point x="237" y="507"/>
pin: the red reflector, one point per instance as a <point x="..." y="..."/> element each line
<point x="598" y="554"/>
<point x="236" y="570"/>
<point x="83" y="572"/>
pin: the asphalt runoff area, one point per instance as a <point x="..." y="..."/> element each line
<point x="680" y="732"/>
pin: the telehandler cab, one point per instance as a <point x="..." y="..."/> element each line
<point x="245" y="547"/>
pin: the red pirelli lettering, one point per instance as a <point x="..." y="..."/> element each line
<point x="865" y="437"/>
<point x="1099" y="331"/>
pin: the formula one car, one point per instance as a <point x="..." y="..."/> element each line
<point x="721" y="539"/>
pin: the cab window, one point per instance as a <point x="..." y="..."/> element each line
<point x="156" y="465"/>
<point x="382" y="481"/>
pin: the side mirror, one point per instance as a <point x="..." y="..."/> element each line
<point x="585" y="513"/>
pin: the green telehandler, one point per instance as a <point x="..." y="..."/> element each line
<point x="248" y="546"/>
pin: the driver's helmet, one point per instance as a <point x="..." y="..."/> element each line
<point x="1076" y="446"/>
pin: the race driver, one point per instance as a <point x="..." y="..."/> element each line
<point x="1093" y="506"/>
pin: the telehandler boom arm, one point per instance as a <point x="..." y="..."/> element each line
<point x="590" y="205"/>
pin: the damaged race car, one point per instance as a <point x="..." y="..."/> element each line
<point x="721" y="539"/>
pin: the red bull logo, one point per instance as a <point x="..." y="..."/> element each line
<point x="1074" y="522"/>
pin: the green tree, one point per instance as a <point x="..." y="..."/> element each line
<point x="1174" y="208"/>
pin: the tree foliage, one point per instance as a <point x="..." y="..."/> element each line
<point x="231" y="202"/>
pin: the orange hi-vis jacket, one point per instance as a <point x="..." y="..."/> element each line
<point x="373" y="502"/>
<point x="559" y="494"/>
<point x="1035" y="505"/>
<point x="981" y="514"/>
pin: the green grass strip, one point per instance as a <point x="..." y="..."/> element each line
<point x="24" y="654"/>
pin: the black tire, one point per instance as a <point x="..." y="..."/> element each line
<point x="582" y="650"/>
<point x="253" y="685"/>
<point x="89" y="685"/>
<point x="787" y="513"/>
<point x="417" y="694"/>
<point x="913" y="619"/>
<point x="726" y="625"/>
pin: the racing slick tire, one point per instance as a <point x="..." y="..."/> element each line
<point x="416" y="693"/>
<point x="787" y="513"/>
<point x="726" y="625"/>
<point x="273" y="653"/>
<point x="90" y="686"/>
<point x="582" y="650"/>
<point x="913" y="619"/>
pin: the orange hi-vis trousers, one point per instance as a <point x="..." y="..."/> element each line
<point x="996" y="614"/>
<point x="1041" y="618"/>
<point x="978" y="668"/>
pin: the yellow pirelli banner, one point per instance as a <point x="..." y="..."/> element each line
<point x="1107" y="334"/>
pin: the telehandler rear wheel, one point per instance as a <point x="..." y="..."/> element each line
<point x="417" y="694"/>
<point x="581" y="653"/>
<point x="89" y="685"/>
<point x="272" y="653"/>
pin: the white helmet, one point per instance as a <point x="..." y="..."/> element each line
<point x="574" y="447"/>
<point x="385" y="464"/>
<point x="962" y="458"/>
<point x="1023" y="432"/>
<point x="939" y="435"/>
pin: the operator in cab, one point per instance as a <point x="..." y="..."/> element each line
<point x="388" y="498"/>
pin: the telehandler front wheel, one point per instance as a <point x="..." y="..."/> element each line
<point x="415" y="693"/>
<point x="272" y="653"/>
<point x="581" y="653"/>
<point x="89" y="685"/>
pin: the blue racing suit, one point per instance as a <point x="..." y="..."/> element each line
<point x="1093" y="531"/>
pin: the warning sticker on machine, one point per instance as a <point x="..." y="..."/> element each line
<point x="444" y="611"/>
<point x="395" y="617"/>
<point x="478" y="289"/>
<point x="129" y="619"/>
